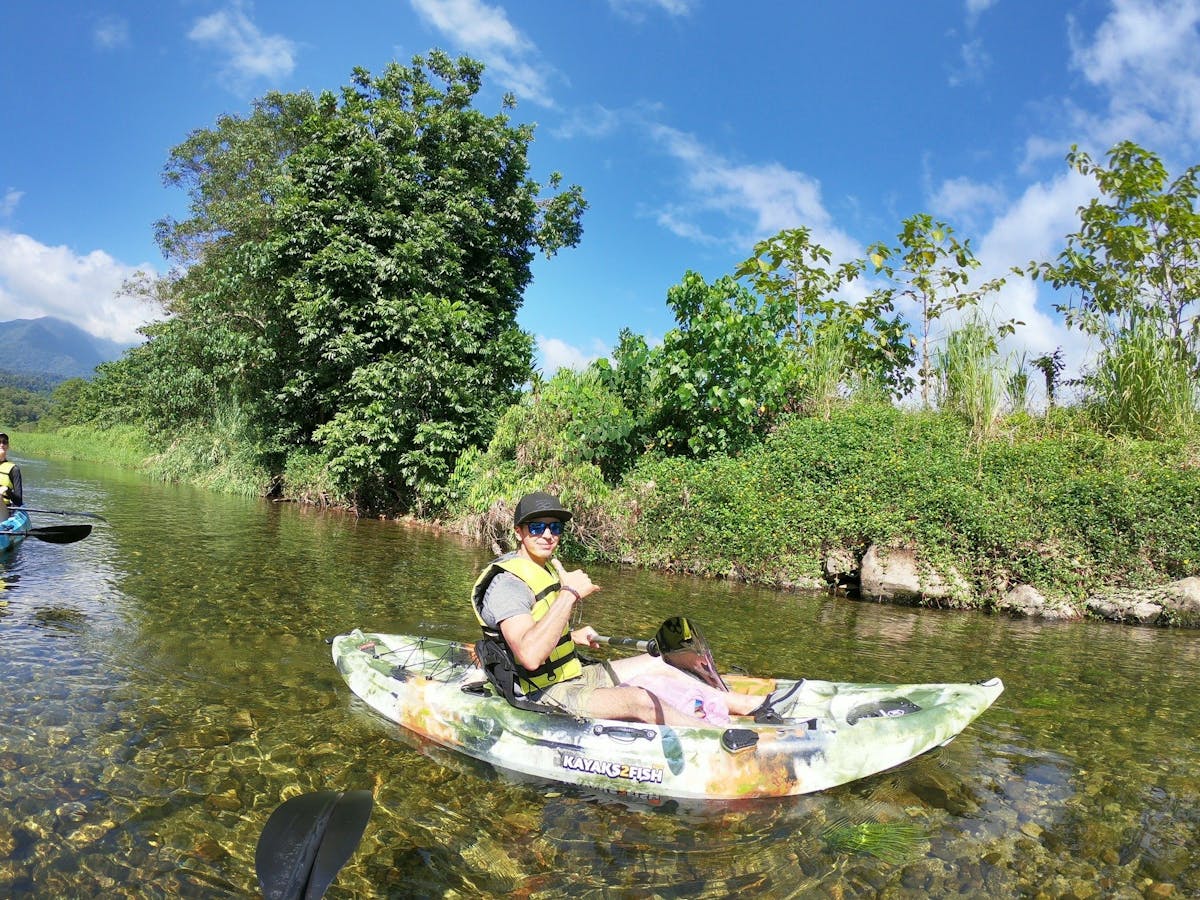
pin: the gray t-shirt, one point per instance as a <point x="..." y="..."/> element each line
<point x="505" y="597"/>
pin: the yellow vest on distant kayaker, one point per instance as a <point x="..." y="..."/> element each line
<point x="563" y="664"/>
<point x="5" y="480"/>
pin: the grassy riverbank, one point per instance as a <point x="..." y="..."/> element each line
<point x="1042" y="503"/>
<point x="119" y="446"/>
<point x="1046" y="501"/>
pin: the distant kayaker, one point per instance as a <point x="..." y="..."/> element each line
<point x="10" y="478"/>
<point x="525" y="600"/>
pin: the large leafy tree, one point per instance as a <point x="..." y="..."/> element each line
<point x="1136" y="256"/>
<point x="352" y="267"/>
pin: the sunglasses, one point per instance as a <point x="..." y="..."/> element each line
<point x="537" y="528"/>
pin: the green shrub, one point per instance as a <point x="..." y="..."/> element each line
<point x="1061" y="508"/>
<point x="556" y="438"/>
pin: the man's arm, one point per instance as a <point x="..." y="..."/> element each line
<point x="532" y="642"/>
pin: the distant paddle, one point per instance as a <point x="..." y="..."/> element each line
<point x="306" y="842"/>
<point x="60" y="534"/>
<point x="63" y="512"/>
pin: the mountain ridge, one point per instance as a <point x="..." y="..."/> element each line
<point x="54" y="349"/>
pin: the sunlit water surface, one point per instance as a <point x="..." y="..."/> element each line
<point x="166" y="685"/>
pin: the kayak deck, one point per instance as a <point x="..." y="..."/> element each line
<point x="13" y="530"/>
<point x="833" y="732"/>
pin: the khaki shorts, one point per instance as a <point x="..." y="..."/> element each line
<point x="575" y="694"/>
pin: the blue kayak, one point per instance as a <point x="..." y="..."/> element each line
<point x="13" y="530"/>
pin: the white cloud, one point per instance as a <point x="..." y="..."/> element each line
<point x="556" y="354"/>
<point x="594" y="122"/>
<point x="1145" y="56"/>
<point x="111" y="33"/>
<point x="9" y="202"/>
<point x="972" y="64"/>
<point x="485" y="32"/>
<point x="966" y="201"/>
<point x="249" y="54"/>
<point x="768" y="197"/>
<point x="1033" y="228"/>
<point x="976" y="8"/>
<point x="636" y="10"/>
<point x="37" y="280"/>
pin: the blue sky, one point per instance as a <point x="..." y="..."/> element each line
<point x="695" y="127"/>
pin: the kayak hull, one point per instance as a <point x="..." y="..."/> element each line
<point x="13" y="530"/>
<point x="834" y="732"/>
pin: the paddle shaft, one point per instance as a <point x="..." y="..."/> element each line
<point x="632" y="643"/>
<point x="62" y="512"/>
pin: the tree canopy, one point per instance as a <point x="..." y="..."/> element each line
<point x="349" y="277"/>
<point x="1136" y="255"/>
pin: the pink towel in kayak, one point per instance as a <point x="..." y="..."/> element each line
<point x="695" y="699"/>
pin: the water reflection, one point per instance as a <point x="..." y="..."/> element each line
<point x="167" y="686"/>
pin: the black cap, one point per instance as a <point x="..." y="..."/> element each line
<point x="537" y="505"/>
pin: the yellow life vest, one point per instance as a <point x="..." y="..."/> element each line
<point x="5" y="480"/>
<point x="563" y="664"/>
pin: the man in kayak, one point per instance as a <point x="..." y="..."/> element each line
<point x="526" y="598"/>
<point x="10" y="479"/>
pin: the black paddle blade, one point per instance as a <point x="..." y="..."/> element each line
<point x="345" y="830"/>
<point x="61" y="534"/>
<point x="683" y="646"/>
<point x="306" y="842"/>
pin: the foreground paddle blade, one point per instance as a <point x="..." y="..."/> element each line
<point x="683" y="646"/>
<point x="345" y="830"/>
<point x="60" y="534"/>
<point x="306" y="842"/>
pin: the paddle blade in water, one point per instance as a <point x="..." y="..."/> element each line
<point x="291" y="859"/>
<point x="346" y="826"/>
<point x="61" y="534"/>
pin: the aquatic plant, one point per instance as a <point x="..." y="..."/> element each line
<point x="892" y="842"/>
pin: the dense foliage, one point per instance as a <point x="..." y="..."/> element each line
<point x="344" y="328"/>
<point x="24" y="399"/>
<point x="1061" y="508"/>
<point x="347" y="281"/>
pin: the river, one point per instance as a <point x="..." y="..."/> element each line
<point x="166" y="685"/>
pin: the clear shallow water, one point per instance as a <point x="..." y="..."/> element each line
<point x="166" y="686"/>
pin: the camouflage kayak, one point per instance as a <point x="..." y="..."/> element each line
<point x="832" y="732"/>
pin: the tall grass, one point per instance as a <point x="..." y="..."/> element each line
<point x="822" y="371"/>
<point x="1141" y="387"/>
<point x="970" y="374"/>
<point x="221" y="455"/>
<point x="1016" y="386"/>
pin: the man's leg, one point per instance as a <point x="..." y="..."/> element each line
<point x="631" y="667"/>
